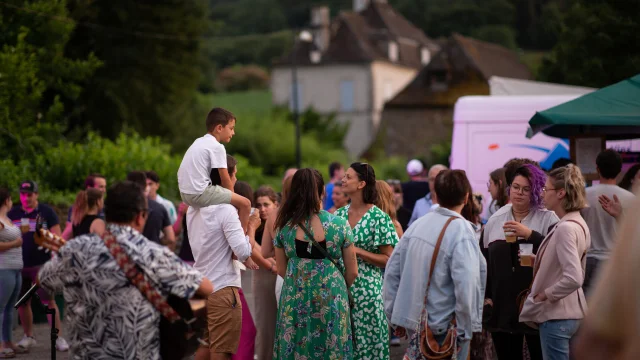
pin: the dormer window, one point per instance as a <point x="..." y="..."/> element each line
<point x="393" y="51"/>
<point x="439" y="80"/>
<point x="425" y="56"/>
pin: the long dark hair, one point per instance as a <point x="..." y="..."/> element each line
<point x="303" y="200"/>
<point x="368" y="175"/>
<point x="626" y="182"/>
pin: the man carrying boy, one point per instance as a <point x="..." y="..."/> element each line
<point x="207" y="153"/>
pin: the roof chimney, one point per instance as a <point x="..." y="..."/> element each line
<point x="360" y="5"/>
<point x="320" y="26"/>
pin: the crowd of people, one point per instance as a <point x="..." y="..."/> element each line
<point x="340" y="270"/>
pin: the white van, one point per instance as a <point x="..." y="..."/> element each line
<point x="490" y="130"/>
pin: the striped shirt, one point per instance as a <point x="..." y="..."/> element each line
<point x="10" y="259"/>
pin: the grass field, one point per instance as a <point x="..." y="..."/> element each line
<point x="246" y="102"/>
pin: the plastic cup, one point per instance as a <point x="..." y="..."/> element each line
<point x="24" y="225"/>
<point x="526" y="255"/>
<point x="510" y="236"/>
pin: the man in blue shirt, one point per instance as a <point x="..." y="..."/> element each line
<point x="336" y="172"/>
<point x="427" y="203"/>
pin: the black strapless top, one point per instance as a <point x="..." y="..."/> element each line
<point x="303" y="253"/>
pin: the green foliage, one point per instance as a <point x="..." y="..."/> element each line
<point x="260" y="49"/>
<point x="497" y="34"/>
<point x="60" y="170"/>
<point x="242" y="78"/>
<point x="597" y="45"/>
<point x="441" y="152"/>
<point x="390" y="168"/>
<point x="36" y="79"/>
<point x="152" y="62"/>
<point x="325" y="128"/>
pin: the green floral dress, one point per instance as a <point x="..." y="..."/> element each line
<point x="372" y="330"/>
<point x="314" y="317"/>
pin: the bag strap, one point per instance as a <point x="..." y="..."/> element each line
<point x="137" y="278"/>
<point x="436" y="250"/>
<point x="434" y="258"/>
<point x="539" y="258"/>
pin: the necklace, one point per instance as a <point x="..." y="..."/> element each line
<point x="520" y="214"/>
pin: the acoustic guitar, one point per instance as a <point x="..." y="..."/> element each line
<point x="172" y="345"/>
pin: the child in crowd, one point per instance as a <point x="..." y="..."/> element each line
<point x="207" y="153"/>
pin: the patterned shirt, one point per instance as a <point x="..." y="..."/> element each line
<point x="107" y="317"/>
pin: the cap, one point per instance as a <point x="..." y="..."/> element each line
<point x="415" y="167"/>
<point x="28" y="187"/>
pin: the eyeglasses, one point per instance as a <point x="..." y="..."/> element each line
<point x="544" y="189"/>
<point x="518" y="189"/>
<point x="393" y="181"/>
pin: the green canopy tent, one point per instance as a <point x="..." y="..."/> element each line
<point x="612" y="112"/>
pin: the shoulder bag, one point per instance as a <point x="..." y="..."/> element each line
<point x="430" y="348"/>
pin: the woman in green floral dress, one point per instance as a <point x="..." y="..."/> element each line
<point x="374" y="237"/>
<point x="314" y="316"/>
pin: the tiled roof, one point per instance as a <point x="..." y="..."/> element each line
<point x="461" y="60"/>
<point x="365" y="36"/>
<point x="492" y="59"/>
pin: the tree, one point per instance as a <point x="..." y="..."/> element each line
<point x="36" y="79"/>
<point x="152" y="62"/>
<point x="597" y="46"/>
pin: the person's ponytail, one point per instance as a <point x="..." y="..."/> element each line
<point x="80" y="207"/>
<point x="571" y="180"/>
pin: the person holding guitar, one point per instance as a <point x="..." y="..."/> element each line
<point x="100" y="297"/>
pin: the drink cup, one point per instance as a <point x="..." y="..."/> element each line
<point x="526" y="255"/>
<point x="24" y="225"/>
<point x="510" y="236"/>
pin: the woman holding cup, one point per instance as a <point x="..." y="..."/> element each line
<point x="556" y="303"/>
<point x="523" y="221"/>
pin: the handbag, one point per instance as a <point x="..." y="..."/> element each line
<point x="524" y="294"/>
<point x="178" y="325"/>
<point x="335" y="262"/>
<point x="430" y="348"/>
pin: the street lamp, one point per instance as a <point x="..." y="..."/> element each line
<point x="303" y="36"/>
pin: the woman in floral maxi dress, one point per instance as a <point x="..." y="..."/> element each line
<point x="314" y="316"/>
<point x="374" y="237"/>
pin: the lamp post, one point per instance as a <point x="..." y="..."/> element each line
<point x="303" y="36"/>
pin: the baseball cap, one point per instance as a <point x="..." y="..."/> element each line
<point x="415" y="167"/>
<point x="28" y="187"/>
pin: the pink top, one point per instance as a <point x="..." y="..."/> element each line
<point x="560" y="274"/>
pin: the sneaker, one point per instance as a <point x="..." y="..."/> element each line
<point x="27" y="342"/>
<point x="61" y="344"/>
<point x="395" y="341"/>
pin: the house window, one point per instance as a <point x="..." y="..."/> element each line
<point x="393" y="51"/>
<point x="346" y="95"/>
<point x="439" y="80"/>
<point x="300" y="98"/>
<point x="425" y="56"/>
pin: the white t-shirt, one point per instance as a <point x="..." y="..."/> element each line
<point x="603" y="227"/>
<point x="215" y="234"/>
<point x="205" y="154"/>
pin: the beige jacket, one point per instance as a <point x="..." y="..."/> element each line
<point x="560" y="273"/>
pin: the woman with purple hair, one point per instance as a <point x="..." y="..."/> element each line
<point x="523" y="221"/>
